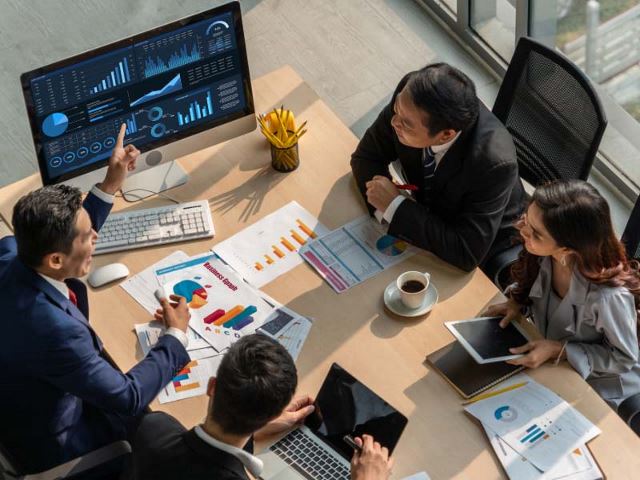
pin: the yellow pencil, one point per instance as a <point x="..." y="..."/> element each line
<point x="493" y="394"/>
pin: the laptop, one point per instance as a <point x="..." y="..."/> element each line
<point x="316" y="450"/>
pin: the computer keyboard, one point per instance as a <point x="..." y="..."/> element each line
<point x="155" y="226"/>
<point x="309" y="458"/>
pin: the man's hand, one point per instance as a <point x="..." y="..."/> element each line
<point x="510" y="310"/>
<point x="123" y="160"/>
<point x="174" y="314"/>
<point x="292" y="416"/>
<point x="372" y="463"/>
<point x="537" y="352"/>
<point x="380" y="192"/>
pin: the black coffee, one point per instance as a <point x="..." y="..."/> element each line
<point x="413" y="286"/>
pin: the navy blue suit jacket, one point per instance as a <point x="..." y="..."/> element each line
<point x="59" y="396"/>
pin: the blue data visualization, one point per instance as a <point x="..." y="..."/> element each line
<point x="168" y="84"/>
<point x="55" y="124"/>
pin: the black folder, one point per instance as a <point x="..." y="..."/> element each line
<point x="467" y="376"/>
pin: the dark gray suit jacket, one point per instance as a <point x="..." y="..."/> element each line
<point x="476" y="195"/>
<point x="164" y="449"/>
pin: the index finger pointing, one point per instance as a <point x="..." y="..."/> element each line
<point x="121" y="134"/>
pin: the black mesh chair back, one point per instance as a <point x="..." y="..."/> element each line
<point x="552" y="112"/>
<point x="631" y="235"/>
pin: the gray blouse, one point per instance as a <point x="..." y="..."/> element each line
<point x="600" y="325"/>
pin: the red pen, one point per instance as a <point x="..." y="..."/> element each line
<point x="407" y="186"/>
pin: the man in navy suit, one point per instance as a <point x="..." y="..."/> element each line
<point x="60" y="396"/>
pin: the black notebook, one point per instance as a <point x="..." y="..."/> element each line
<point x="467" y="376"/>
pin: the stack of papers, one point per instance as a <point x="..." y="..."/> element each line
<point x="533" y="426"/>
<point x="223" y="309"/>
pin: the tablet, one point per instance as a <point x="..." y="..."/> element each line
<point x="485" y="340"/>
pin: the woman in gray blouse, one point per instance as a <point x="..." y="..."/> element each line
<point x="579" y="288"/>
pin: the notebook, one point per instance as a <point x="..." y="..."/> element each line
<point x="467" y="376"/>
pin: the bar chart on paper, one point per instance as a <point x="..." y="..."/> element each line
<point x="269" y="247"/>
<point x="191" y="381"/>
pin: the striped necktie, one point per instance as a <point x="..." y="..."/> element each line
<point x="428" y="171"/>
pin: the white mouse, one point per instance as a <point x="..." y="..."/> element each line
<point x="107" y="274"/>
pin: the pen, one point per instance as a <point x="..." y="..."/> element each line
<point x="348" y="439"/>
<point x="406" y="186"/>
<point x="493" y="394"/>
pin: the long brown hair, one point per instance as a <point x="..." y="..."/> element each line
<point x="577" y="217"/>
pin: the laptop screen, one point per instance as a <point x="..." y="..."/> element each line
<point x="344" y="406"/>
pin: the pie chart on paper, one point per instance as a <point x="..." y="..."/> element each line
<point x="390" y="246"/>
<point x="193" y="292"/>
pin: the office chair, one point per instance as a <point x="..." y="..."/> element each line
<point x="631" y="235"/>
<point x="629" y="410"/>
<point x="556" y="120"/>
<point x="10" y="471"/>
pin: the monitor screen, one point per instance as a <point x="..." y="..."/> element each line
<point x="166" y="84"/>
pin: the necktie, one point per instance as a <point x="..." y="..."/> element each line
<point x="428" y="171"/>
<point x="73" y="297"/>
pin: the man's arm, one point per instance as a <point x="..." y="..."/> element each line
<point x="465" y="239"/>
<point x="72" y="364"/>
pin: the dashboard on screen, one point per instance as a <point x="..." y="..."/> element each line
<point x="165" y="85"/>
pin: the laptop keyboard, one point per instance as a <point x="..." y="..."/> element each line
<point x="309" y="458"/>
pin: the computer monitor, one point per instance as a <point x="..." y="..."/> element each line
<point x="179" y="88"/>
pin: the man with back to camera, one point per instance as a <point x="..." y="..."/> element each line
<point x="250" y="401"/>
<point x="459" y="156"/>
<point x="60" y="396"/>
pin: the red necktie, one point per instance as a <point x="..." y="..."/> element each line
<point x="73" y="298"/>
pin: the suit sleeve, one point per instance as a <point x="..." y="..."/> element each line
<point x="72" y="364"/>
<point x="376" y="150"/>
<point x="465" y="239"/>
<point x="98" y="210"/>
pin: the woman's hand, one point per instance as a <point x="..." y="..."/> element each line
<point x="537" y="352"/>
<point x="510" y="310"/>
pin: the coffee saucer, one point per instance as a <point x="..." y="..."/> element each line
<point x="394" y="303"/>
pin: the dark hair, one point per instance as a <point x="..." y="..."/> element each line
<point x="446" y="94"/>
<point x="44" y="222"/>
<point x="577" y="217"/>
<point x="255" y="382"/>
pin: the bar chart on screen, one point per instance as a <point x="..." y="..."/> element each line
<point x="268" y="248"/>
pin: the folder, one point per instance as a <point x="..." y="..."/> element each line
<point x="465" y="375"/>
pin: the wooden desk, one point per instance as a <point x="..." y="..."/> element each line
<point x="354" y="329"/>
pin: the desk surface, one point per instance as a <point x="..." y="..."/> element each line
<point x="354" y="329"/>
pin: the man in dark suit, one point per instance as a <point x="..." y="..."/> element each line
<point x="60" y="395"/>
<point x="459" y="156"/>
<point x="250" y="401"/>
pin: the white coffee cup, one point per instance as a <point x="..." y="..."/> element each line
<point x="413" y="297"/>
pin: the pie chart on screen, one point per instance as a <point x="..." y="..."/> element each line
<point x="55" y="124"/>
<point x="193" y="292"/>
<point x="390" y="246"/>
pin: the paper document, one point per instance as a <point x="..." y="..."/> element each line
<point x="149" y="333"/>
<point x="191" y="381"/>
<point x="143" y="285"/>
<point x="536" y="423"/>
<point x="288" y="328"/>
<point x="578" y="465"/>
<point x="355" y="252"/>
<point x="269" y="247"/>
<point x="418" y="476"/>
<point x="223" y="307"/>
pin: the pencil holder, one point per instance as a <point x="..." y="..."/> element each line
<point x="285" y="159"/>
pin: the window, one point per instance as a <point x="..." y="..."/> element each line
<point x="601" y="36"/>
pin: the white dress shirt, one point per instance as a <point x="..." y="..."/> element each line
<point x="64" y="290"/>
<point x="252" y="463"/>
<point x="439" y="152"/>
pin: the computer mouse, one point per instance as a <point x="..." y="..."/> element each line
<point x="107" y="274"/>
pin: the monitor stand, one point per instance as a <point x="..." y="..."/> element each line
<point x="154" y="180"/>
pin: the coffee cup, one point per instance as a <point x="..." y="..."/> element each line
<point x="413" y="288"/>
